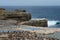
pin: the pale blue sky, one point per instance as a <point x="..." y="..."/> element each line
<point x="29" y="2"/>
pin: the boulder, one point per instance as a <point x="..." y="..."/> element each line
<point x="37" y="23"/>
<point x="21" y="16"/>
<point x="3" y="13"/>
<point x="2" y="10"/>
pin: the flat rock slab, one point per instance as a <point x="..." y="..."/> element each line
<point x="41" y="30"/>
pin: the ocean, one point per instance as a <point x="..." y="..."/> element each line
<point x="52" y="13"/>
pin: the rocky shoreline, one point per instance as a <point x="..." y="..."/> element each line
<point x="20" y="17"/>
<point x="19" y="33"/>
<point x="23" y="35"/>
<point x="17" y="25"/>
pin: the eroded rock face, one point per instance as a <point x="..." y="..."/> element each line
<point x="2" y="13"/>
<point x="37" y="23"/>
<point x="21" y="16"/>
<point x="8" y="22"/>
<point x="2" y="10"/>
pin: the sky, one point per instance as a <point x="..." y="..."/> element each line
<point x="29" y="2"/>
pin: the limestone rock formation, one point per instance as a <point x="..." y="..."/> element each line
<point x="2" y="10"/>
<point x="21" y="16"/>
<point x="37" y="23"/>
<point x="2" y="13"/>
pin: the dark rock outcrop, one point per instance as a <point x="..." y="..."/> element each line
<point x="21" y="16"/>
<point x="2" y="10"/>
<point x="37" y="23"/>
<point x="3" y="13"/>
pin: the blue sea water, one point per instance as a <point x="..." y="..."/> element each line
<point x="52" y="13"/>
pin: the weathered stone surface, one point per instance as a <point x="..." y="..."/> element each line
<point x="24" y="35"/>
<point x="21" y="16"/>
<point x="2" y="13"/>
<point x="8" y="22"/>
<point x="2" y="10"/>
<point x="38" y="23"/>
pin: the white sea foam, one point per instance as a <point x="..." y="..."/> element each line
<point x="38" y="18"/>
<point x="52" y="23"/>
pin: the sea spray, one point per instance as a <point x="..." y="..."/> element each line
<point x="52" y="23"/>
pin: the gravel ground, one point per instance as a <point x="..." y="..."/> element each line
<point x="24" y="35"/>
